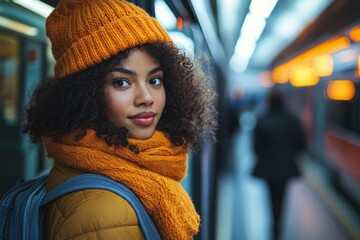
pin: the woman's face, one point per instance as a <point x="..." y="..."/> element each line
<point x="135" y="94"/>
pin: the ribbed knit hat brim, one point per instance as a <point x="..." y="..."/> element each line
<point x="115" y="25"/>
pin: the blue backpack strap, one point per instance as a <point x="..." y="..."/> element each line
<point x="95" y="181"/>
<point x="20" y="207"/>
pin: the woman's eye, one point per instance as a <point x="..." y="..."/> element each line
<point x="155" y="81"/>
<point x="120" y="83"/>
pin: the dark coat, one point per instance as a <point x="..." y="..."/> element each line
<point x="278" y="139"/>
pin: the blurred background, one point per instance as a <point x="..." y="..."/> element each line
<point x="309" y="50"/>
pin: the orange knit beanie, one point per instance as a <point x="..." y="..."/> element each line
<point x="86" y="32"/>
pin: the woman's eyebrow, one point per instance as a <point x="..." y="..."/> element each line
<point x="157" y="69"/>
<point x="122" y="70"/>
<point x="127" y="71"/>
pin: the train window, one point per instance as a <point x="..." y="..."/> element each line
<point x="346" y="114"/>
<point x="9" y="63"/>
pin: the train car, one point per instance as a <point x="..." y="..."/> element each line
<point x="24" y="62"/>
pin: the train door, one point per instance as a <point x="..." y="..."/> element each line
<point x="9" y="105"/>
<point x="21" y="68"/>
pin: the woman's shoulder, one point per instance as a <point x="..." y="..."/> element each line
<point x="90" y="213"/>
<point x="93" y="214"/>
<point x="97" y="203"/>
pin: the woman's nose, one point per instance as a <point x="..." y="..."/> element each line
<point x="143" y="96"/>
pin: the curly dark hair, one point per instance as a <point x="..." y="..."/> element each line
<point x="77" y="101"/>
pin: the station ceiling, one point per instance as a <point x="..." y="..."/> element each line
<point x="280" y="37"/>
<point x="285" y="22"/>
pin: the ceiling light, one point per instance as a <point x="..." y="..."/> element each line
<point x="303" y="75"/>
<point x="18" y="27"/>
<point x="251" y="30"/>
<point x="262" y="8"/>
<point x="245" y="47"/>
<point x="240" y="59"/>
<point x="36" y="6"/>
<point x="253" y="26"/>
<point x="355" y="34"/>
<point x="238" y="64"/>
<point x="164" y="15"/>
<point x="324" y="65"/>
<point x="280" y="74"/>
<point x="340" y="90"/>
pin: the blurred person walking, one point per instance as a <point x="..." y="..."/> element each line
<point x="278" y="140"/>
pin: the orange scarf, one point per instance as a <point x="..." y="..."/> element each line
<point x="153" y="174"/>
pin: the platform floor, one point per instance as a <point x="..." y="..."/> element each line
<point x="244" y="212"/>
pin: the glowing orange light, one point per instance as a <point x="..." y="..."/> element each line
<point x="280" y="74"/>
<point x="355" y="34"/>
<point x="179" y="24"/>
<point x="330" y="46"/>
<point x="301" y="76"/>
<point x="323" y="65"/>
<point x="340" y="90"/>
<point x="327" y="47"/>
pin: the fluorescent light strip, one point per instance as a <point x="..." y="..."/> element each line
<point x="240" y="59"/>
<point x="238" y="64"/>
<point x="245" y="46"/>
<point x="36" y="6"/>
<point x="253" y="26"/>
<point x="164" y="14"/>
<point x="262" y="8"/>
<point x="18" y="27"/>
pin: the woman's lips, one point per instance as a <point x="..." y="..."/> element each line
<point x="143" y="119"/>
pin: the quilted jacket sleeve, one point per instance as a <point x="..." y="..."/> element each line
<point x="92" y="214"/>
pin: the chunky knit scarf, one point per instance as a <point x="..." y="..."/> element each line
<point x="153" y="174"/>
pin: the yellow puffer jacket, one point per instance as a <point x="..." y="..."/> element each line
<point x="88" y="214"/>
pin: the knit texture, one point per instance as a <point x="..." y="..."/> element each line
<point x="86" y="32"/>
<point x="153" y="174"/>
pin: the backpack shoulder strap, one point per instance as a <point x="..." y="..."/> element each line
<point x="19" y="207"/>
<point x="95" y="181"/>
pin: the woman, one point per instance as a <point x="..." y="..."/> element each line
<point x="126" y="104"/>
